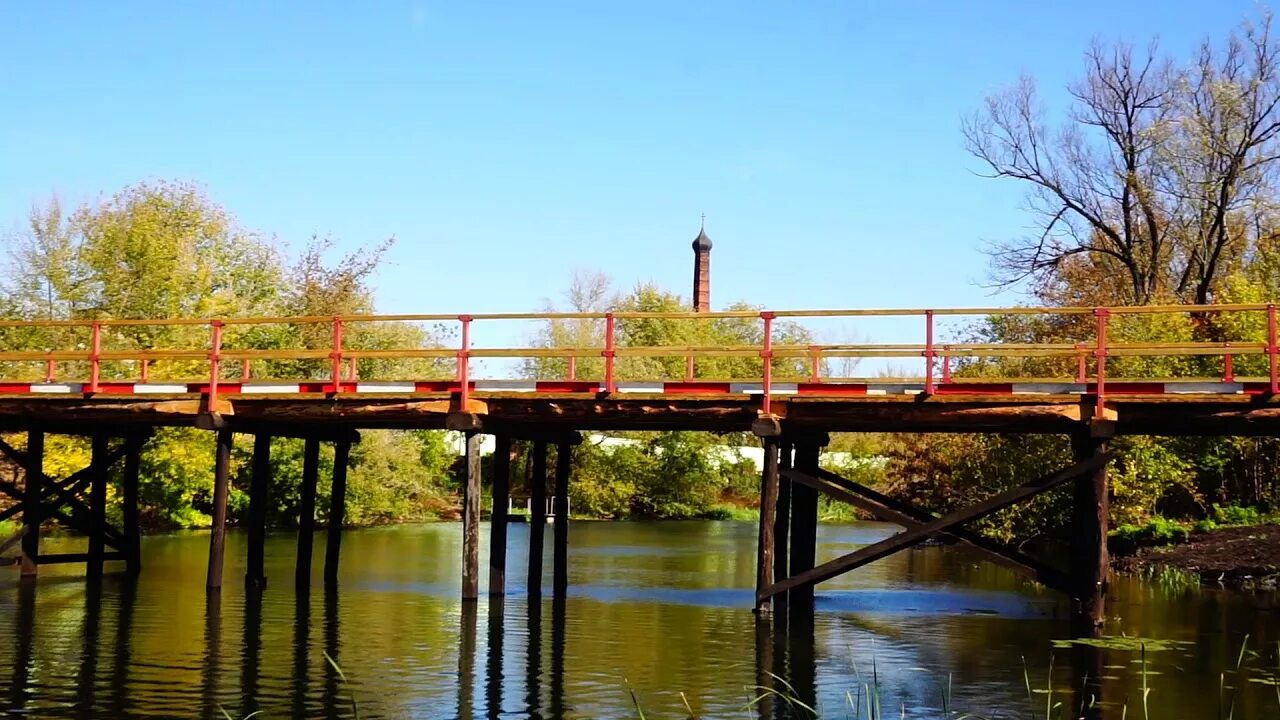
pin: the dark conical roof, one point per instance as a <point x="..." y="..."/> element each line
<point x="702" y="242"/>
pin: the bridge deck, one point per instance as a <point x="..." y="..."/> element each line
<point x="1160" y="408"/>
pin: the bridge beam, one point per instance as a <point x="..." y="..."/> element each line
<point x="307" y="512"/>
<point x="782" y="518"/>
<point x="31" y="513"/>
<point x="337" y="511"/>
<point x="560" y="554"/>
<point x="498" y="516"/>
<point x="471" y="519"/>
<point x="255" y="576"/>
<point x="804" y="519"/>
<point x="765" y="542"/>
<point x="1090" y="507"/>
<point x="537" y="516"/>
<point x="218" y="531"/>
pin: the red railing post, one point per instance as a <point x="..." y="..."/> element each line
<point x="1100" y="351"/>
<point x="610" y="354"/>
<point x="244" y="369"/>
<point x="50" y="370"/>
<point x="1272" y="349"/>
<point x="144" y="372"/>
<point x="946" y="365"/>
<point x="688" y="368"/>
<point x="815" y="364"/>
<point x="928" y="352"/>
<point x="464" y="364"/>
<point x="215" y="362"/>
<point x="1228" y="368"/>
<point x="335" y="357"/>
<point x="1082" y="364"/>
<point x="573" y="367"/>
<point x="95" y="356"/>
<point x="766" y="357"/>
<point x="353" y="370"/>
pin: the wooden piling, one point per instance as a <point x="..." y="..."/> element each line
<point x="255" y="575"/>
<point x="537" y="516"/>
<point x="307" y="512"/>
<point x="471" y="520"/>
<point x="129" y="498"/>
<point x="1090" y="508"/>
<point x="564" y="465"/>
<point x="97" y="506"/>
<point x="765" y="542"/>
<point x="804" y="523"/>
<point x="337" y="511"/>
<point x="782" y="516"/>
<point x="498" y="517"/>
<point x="218" y="531"/>
<point x="31" y="515"/>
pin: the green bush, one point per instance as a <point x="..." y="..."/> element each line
<point x="1127" y="539"/>
<point x="1236" y="515"/>
<point x="1205" y="525"/>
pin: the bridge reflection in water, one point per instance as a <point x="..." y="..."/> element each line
<point x="518" y="671"/>
<point x="657" y="606"/>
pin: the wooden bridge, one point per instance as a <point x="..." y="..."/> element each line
<point x="105" y="379"/>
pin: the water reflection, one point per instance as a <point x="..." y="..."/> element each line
<point x="660" y="608"/>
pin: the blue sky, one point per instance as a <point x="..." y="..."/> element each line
<point x="505" y="143"/>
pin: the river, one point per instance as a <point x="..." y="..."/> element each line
<point x="657" y="608"/>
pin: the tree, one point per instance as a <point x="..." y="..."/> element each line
<point x="1159" y="183"/>
<point x="164" y="250"/>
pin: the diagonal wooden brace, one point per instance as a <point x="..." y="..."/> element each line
<point x="80" y="516"/>
<point x="915" y="535"/>
<point x="900" y="513"/>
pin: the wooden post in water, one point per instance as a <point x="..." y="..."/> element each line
<point x="564" y="464"/>
<point x="765" y="543"/>
<point x="471" y="520"/>
<point x="218" y="531"/>
<point x="307" y="512"/>
<point x="498" y="517"/>
<point x="255" y="575"/>
<point x="804" y="522"/>
<point x="97" y="506"/>
<point x="129" y="492"/>
<point x="1090" y="508"/>
<point x="337" y="511"/>
<point x="31" y="516"/>
<point x="537" y="516"/>
<point x="782" y="517"/>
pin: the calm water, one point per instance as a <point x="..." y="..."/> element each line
<point x="662" y="607"/>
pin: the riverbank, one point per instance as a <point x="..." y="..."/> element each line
<point x="1246" y="557"/>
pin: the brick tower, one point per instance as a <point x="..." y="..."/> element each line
<point x="702" y="270"/>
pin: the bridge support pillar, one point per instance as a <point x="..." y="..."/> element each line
<point x="218" y="531"/>
<point x="560" y="554"/>
<point x="498" y="516"/>
<point x="804" y="521"/>
<point x="307" y="512"/>
<point x="98" y="467"/>
<point x="537" y="516"/>
<point x="337" y="511"/>
<point x="31" y="517"/>
<point x="782" y="518"/>
<point x="129" y="498"/>
<point x="259" y="496"/>
<point x="1090" y="508"/>
<point x="765" y="543"/>
<point x="471" y="520"/>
